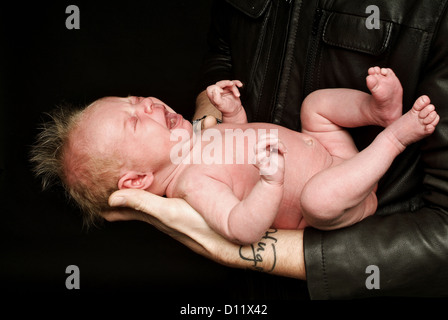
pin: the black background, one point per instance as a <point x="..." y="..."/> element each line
<point x="147" y="48"/>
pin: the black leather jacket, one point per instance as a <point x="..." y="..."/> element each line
<point x="282" y="50"/>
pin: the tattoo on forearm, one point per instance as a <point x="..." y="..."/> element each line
<point x="258" y="253"/>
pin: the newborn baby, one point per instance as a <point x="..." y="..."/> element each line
<point x="281" y="178"/>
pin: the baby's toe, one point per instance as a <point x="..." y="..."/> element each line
<point x="430" y="117"/>
<point x="421" y="103"/>
<point x="424" y="112"/>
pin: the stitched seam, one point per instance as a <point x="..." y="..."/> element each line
<point x="365" y="50"/>
<point x="400" y="23"/>
<point x="386" y="38"/>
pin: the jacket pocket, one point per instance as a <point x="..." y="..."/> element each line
<point x="370" y="41"/>
<point x="342" y="41"/>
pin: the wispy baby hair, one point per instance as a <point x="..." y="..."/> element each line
<point x="87" y="179"/>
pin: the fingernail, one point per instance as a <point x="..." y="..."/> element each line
<point x="117" y="201"/>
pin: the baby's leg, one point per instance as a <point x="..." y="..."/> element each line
<point x="325" y="113"/>
<point x="342" y="195"/>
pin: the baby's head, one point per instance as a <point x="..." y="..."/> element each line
<point x="113" y="143"/>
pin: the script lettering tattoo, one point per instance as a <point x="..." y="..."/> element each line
<point x="257" y="253"/>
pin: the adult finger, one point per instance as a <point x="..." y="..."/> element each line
<point x="173" y="212"/>
<point x="139" y="200"/>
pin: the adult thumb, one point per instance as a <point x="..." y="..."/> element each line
<point x="208" y="122"/>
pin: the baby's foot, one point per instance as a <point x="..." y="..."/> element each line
<point x="387" y="94"/>
<point x="416" y="124"/>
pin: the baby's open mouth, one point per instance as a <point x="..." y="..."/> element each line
<point x="173" y="120"/>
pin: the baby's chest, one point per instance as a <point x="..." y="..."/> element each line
<point x="240" y="178"/>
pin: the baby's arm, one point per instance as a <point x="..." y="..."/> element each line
<point x="225" y="96"/>
<point x="243" y="221"/>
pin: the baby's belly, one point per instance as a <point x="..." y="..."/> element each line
<point x="305" y="157"/>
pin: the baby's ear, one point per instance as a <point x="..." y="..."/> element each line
<point x="135" y="180"/>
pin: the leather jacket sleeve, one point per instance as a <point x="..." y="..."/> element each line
<point x="408" y="246"/>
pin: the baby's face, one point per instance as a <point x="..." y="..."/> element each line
<point x="138" y="128"/>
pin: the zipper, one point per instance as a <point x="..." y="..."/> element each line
<point x="314" y="50"/>
<point x="278" y="102"/>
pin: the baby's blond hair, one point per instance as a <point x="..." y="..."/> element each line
<point x="57" y="157"/>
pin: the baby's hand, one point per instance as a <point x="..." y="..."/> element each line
<point x="270" y="158"/>
<point x="225" y="96"/>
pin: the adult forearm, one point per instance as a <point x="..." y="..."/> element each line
<point x="279" y="252"/>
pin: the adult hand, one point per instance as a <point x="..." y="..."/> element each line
<point x="174" y="217"/>
<point x="279" y="252"/>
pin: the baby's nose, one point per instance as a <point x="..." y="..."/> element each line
<point x="147" y="105"/>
